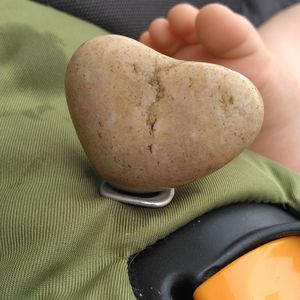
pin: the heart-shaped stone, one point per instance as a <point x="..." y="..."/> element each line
<point x="147" y="121"/>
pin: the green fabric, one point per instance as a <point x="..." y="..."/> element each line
<point x="58" y="238"/>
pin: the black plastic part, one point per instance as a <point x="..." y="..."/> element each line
<point x="175" y="266"/>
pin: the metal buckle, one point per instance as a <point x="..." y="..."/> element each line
<point x="154" y="200"/>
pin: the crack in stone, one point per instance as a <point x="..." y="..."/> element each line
<point x="168" y="68"/>
<point x="152" y="124"/>
<point x="150" y="148"/>
<point x="155" y="82"/>
<point x="159" y="92"/>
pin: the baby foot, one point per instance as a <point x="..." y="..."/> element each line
<point x="217" y="35"/>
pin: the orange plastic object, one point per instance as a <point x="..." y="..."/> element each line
<point x="270" y="272"/>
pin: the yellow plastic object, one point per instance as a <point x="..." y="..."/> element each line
<point x="270" y="272"/>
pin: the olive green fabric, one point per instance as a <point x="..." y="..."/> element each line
<point x="59" y="239"/>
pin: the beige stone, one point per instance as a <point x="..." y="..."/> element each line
<point x="147" y="121"/>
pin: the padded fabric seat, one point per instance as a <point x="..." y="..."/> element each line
<point x="59" y="239"/>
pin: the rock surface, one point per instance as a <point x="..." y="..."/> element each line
<point x="147" y="121"/>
